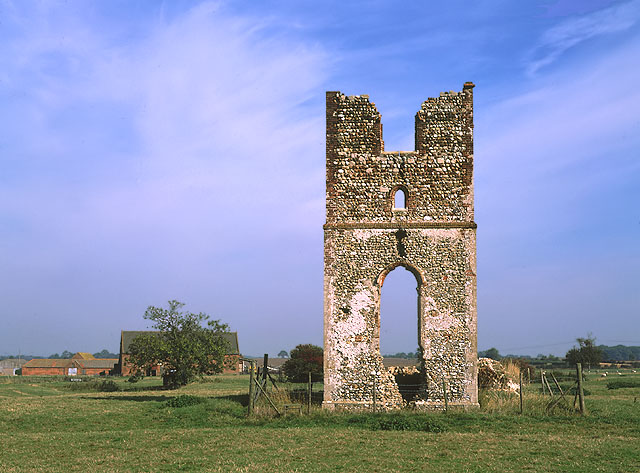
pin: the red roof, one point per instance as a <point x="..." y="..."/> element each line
<point x="50" y="363"/>
<point x="106" y="363"/>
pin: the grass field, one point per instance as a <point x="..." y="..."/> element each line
<point x="57" y="426"/>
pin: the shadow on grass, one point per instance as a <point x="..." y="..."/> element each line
<point x="159" y="387"/>
<point x="140" y="398"/>
<point x="242" y="399"/>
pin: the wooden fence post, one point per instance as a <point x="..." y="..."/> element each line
<point x="542" y="380"/>
<point x="444" y="393"/>
<point x="374" y="393"/>
<point x="309" y="388"/>
<point x="583" y="411"/>
<point x="521" y="400"/>
<point x="265" y="370"/>
<point x="275" y="408"/>
<point x="548" y="385"/>
<point x="251" y="379"/>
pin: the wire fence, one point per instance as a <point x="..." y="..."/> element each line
<point x="550" y="390"/>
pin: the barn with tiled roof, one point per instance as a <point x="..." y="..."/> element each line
<point x="75" y="366"/>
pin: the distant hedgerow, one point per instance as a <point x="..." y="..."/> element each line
<point x="103" y="386"/>
<point x="108" y="386"/>
<point x="623" y="383"/>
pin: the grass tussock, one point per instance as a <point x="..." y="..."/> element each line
<point x="184" y="400"/>
<point x="94" y="385"/>
<point x="504" y="402"/>
<point x="279" y="397"/>
<point x="511" y="370"/>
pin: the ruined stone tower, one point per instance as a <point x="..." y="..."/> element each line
<point x="432" y="234"/>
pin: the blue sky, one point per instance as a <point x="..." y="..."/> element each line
<point x="175" y="150"/>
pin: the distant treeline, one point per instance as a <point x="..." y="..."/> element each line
<point x="614" y="353"/>
<point x="406" y="356"/>
<point x="609" y="354"/>
<point x="65" y="355"/>
<point x="619" y="353"/>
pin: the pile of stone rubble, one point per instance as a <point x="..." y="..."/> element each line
<point x="492" y="375"/>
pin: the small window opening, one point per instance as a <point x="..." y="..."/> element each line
<point x="400" y="200"/>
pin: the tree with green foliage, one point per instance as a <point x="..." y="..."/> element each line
<point x="619" y="353"/>
<point x="304" y="359"/>
<point x="105" y="354"/>
<point x="492" y="353"/>
<point x="586" y="352"/>
<point x="65" y="356"/>
<point x="183" y="348"/>
<point x="283" y="354"/>
<point x="406" y="356"/>
<point x="549" y="357"/>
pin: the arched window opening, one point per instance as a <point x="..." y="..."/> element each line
<point x="399" y="344"/>
<point x="400" y="199"/>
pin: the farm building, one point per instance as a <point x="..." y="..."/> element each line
<point x="83" y="356"/>
<point x="9" y="366"/>
<point x="233" y="360"/>
<point x="81" y="364"/>
<point x="274" y="364"/>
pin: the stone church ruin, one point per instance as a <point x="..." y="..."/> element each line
<point x="400" y="208"/>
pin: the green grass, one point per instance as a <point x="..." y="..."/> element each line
<point x="623" y="383"/>
<point x="46" y="426"/>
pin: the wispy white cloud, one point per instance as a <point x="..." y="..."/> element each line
<point x="159" y="153"/>
<point x="568" y="137"/>
<point x="205" y="102"/>
<point x="556" y="201"/>
<point x="573" y="31"/>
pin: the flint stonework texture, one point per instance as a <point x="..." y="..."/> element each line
<point x="433" y="236"/>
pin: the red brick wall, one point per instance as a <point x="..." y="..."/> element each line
<point x="62" y="371"/>
<point x="126" y="366"/>
<point x="29" y="371"/>
<point x="93" y="371"/>
<point x="232" y="364"/>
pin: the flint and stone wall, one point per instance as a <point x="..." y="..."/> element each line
<point x="434" y="237"/>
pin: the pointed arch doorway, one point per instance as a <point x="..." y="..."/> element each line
<point x="399" y="327"/>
